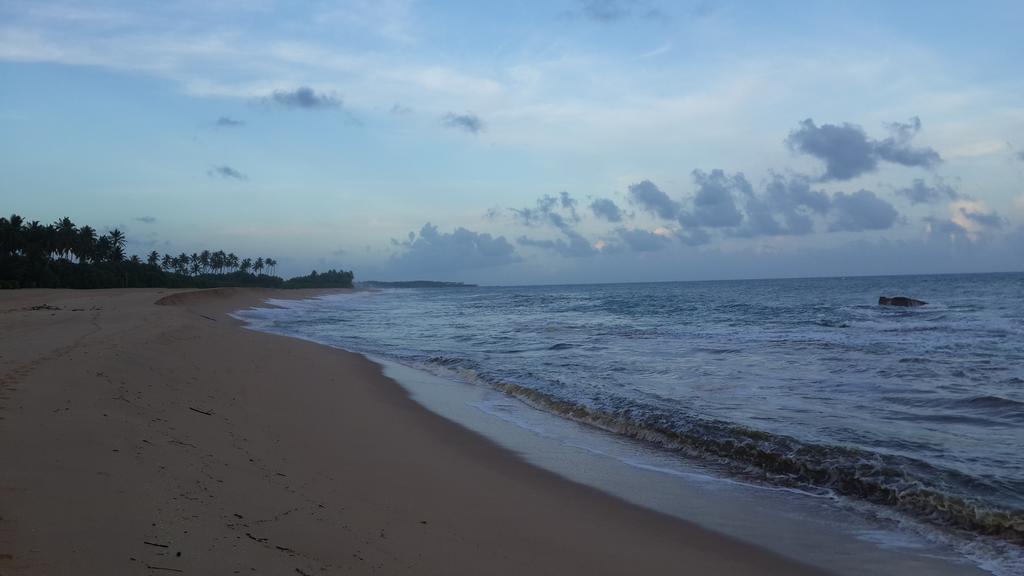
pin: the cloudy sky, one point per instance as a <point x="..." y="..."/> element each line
<point x="526" y="142"/>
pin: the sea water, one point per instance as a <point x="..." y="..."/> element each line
<point x="908" y="421"/>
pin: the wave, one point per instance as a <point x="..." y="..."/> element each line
<point x="911" y="486"/>
<point x="984" y="409"/>
<point x="996" y="402"/>
<point x="888" y="376"/>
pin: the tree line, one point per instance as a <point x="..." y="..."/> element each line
<point x="64" y="255"/>
<point x="207" y="262"/>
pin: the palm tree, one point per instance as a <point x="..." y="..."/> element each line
<point x="11" y="235"/>
<point x="65" y="235"/>
<point x="38" y="245"/>
<point x="38" y="241"/>
<point x="4" y="231"/>
<point x="181" y="263"/>
<point x="102" y="249"/>
<point x="204" y="260"/>
<point x="85" y="244"/>
<point x="217" y="261"/>
<point x="117" y="241"/>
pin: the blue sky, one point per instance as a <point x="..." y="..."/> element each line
<point x="520" y="142"/>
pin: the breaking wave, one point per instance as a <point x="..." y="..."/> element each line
<point x="911" y="486"/>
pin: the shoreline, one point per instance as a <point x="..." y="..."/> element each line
<point x="821" y="529"/>
<point x="144" y="431"/>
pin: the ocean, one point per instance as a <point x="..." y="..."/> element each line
<point x="805" y="385"/>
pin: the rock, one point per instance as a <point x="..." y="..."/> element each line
<point x="899" y="301"/>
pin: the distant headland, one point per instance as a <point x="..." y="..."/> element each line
<point x="413" y="284"/>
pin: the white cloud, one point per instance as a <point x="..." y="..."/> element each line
<point x="959" y="212"/>
<point x="390" y="19"/>
<point x="599" y="119"/>
<point x="446" y="80"/>
<point x="74" y="13"/>
<point x="557" y="98"/>
<point x="976" y="149"/>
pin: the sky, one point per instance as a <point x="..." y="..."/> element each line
<point x="522" y="142"/>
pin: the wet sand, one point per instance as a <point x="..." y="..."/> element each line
<point x="154" y="439"/>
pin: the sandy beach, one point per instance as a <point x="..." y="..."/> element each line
<point x="148" y="439"/>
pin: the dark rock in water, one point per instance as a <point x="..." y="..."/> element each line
<point x="899" y="301"/>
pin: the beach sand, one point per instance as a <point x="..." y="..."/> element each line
<point x="153" y="439"/>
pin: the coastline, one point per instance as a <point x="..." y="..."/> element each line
<point x="142" y="431"/>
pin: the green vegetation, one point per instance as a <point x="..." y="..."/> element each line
<point x="63" y="255"/>
<point x="329" y="279"/>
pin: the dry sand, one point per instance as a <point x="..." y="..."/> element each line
<point x="154" y="439"/>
